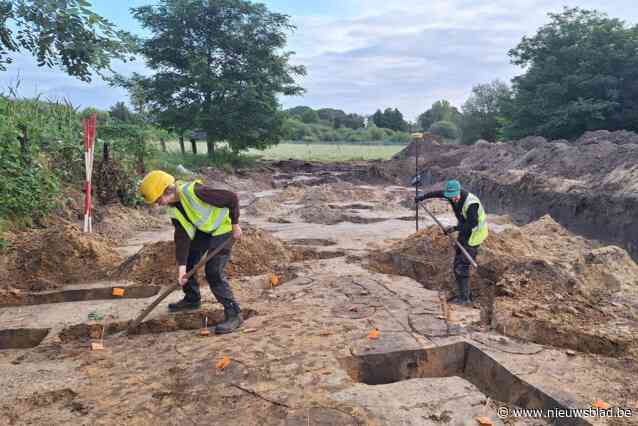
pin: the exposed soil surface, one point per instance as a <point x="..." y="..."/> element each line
<point x="345" y="315"/>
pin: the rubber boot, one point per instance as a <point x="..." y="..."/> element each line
<point x="461" y="285"/>
<point x="184" y="305"/>
<point x="464" y="290"/>
<point x="232" y="321"/>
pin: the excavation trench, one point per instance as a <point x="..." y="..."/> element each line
<point x="80" y="295"/>
<point x="459" y="359"/>
<point x="22" y="338"/>
<point x="181" y="321"/>
<point x="312" y="242"/>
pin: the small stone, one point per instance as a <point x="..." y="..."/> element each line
<point x="570" y="352"/>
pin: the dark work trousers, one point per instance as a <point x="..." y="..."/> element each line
<point x="219" y="285"/>
<point x="461" y="264"/>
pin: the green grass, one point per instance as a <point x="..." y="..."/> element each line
<point x="313" y="151"/>
<point x="328" y="152"/>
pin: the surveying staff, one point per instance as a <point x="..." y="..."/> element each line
<point x="203" y="218"/>
<point x="472" y="227"/>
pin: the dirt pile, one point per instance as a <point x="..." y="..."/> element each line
<point x="119" y="223"/>
<point x="45" y="259"/>
<point x="537" y="282"/>
<point x="581" y="183"/>
<point x="257" y="252"/>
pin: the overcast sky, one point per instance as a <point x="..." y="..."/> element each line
<point x="363" y="54"/>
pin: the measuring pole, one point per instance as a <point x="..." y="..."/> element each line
<point x="89" y="145"/>
<point x="416" y="186"/>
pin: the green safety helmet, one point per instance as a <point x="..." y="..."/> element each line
<point x="452" y="189"/>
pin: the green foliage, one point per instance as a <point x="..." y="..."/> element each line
<point x="228" y="66"/>
<point x="483" y="112"/>
<point x="581" y="74"/>
<point x="27" y="188"/>
<point x="310" y="116"/>
<point x="445" y="129"/>
<point x="390" y="119"/>
<point x="296" y="130"/>
<point x="65" y="34"/>
<point x="223" y="159"/>
<point x="440" y="111"/>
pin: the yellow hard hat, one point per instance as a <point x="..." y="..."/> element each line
<point x="154" y="184"/>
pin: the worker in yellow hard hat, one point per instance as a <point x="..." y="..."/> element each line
<point x="203" y="218"/>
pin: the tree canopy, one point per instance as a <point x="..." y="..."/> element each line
<point x="390" y="119"/>
<point x="483" y="112"/>
<point x="224" y="73"/>
<point x="65" y="34"/>
<point x="440" y="111"/>
<point x="581" y="74"/>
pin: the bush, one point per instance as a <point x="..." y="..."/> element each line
<point x="27" y="189"/>
<point x="445" y="129"/>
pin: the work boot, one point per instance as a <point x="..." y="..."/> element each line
<point x="232" y="321"/>
<point x="184" y="305"/>
<point x="463" y="292"/>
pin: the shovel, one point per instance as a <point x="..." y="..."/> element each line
<point x="459" y="245"/>
<point x="169" y="290"/>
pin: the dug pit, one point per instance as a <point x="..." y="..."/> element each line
<point x="79" y="295"/>
<point x="22" y="338"/>
<point x="456" y="360"/>
<point x="165" y="324"/>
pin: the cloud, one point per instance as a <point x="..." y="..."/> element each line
<point x="379" y="54"/>
<point x="412" y="53"/>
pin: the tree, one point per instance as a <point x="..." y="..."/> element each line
<point x="445" y="129"/>
<point x="65" y="34"/>
<point x="121" y="112"/>
<point x="223" y="73"/>
<point x="581" y="74"/>
<point x="390" y="119"/>
<point x="440" y="111"/>
<point x="297" y="111"/>
<point x="483" y="112"/>
<point x="310" y="116"/>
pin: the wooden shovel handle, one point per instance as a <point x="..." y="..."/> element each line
<point x="169" y="290"/>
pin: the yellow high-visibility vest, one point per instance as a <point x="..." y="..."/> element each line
<point x="199" y="215"/>
<point x="479" y="232"/>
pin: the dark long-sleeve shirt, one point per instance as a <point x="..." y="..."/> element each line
<point x="215" y="197"/>
<point x="464" y="226"/>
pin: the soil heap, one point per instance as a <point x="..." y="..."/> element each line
<point x="538" y="282"/>
<point x="48" y="258"/>
<point x="257" y="252"/>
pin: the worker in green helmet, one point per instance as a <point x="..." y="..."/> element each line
<point x="472" y="228"/>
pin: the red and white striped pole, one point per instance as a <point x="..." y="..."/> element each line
<point x="89" y="144"/>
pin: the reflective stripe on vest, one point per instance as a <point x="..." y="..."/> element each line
<point x="479" y="232"/>
<point x="209" y="219"/>
<point x="174" y="213"/>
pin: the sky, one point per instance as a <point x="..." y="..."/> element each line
<point x="360" y="55"/>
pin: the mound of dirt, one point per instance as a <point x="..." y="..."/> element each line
<point x="257" y="252"/>
<point x="61" y="254"/>
<point x="119" y="222"/>
<point x="538" y="282"/>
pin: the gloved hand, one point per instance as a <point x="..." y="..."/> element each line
<point x="419" y="197"/>
<point x="451" y="229"/>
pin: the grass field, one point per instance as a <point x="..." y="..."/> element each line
<point x="328" y="152"/>
<point x="313" y="151"/>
